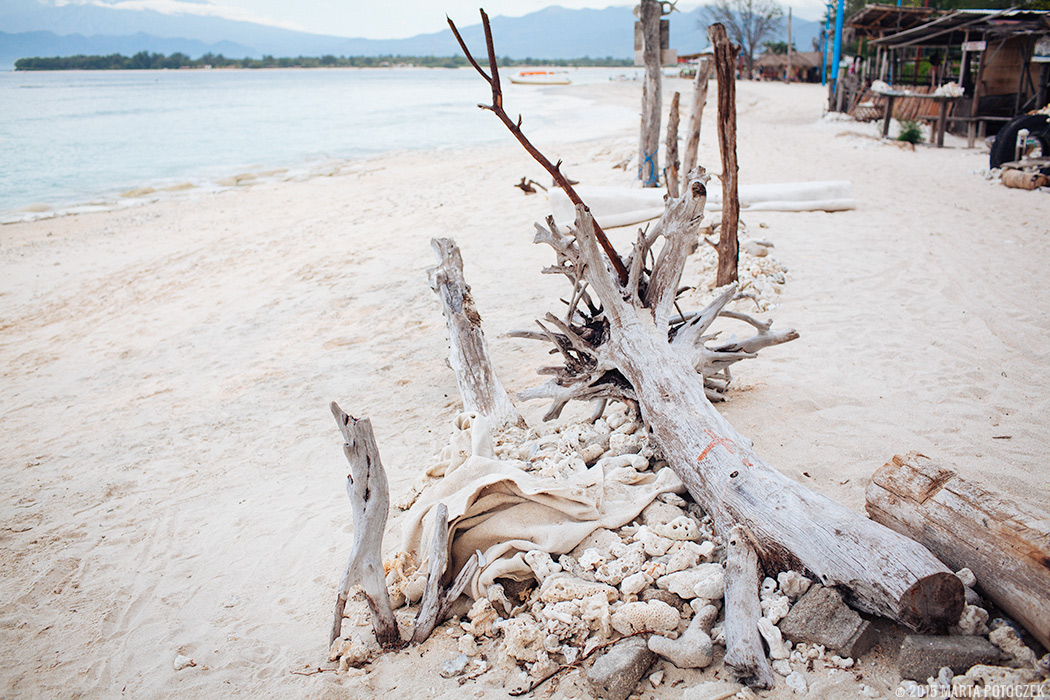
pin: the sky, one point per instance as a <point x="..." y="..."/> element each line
<point x="384" y="20"/>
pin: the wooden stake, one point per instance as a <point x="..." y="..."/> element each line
<point x="671" y="173"/>
<point x="726" y="55"/>
<point x="692" y="142"/>
<point x="649" y="141"/>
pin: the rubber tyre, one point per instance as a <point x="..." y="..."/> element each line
<point x="1003" y="148"/>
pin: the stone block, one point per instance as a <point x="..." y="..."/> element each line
<point x="616" y="672"/>
<point x="820" y="617"/>
<point x="922" y="656"/>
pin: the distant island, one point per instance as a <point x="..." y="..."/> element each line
<point x="156" y="61"/>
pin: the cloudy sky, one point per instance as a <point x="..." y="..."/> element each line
<point x="383" y="20"/>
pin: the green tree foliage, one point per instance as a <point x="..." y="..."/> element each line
<point x="778" y="47"/>
<point x="155" y="61"/>
<point x="747" y="22"/>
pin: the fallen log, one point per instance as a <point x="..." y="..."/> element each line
<point x="1005" y="544"/>
<point x="628" y="341"/>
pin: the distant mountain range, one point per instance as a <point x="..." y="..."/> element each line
<point x="33" y="28"/>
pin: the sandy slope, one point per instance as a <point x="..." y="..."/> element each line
<point x="172" y="478"/>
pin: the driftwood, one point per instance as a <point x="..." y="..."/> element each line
<point x="671" y="173"/>
<point x="744" y="652"/>
<point x="696" y="116"/>
<point x="478" y="384"/>
<point x="370" y="500"/>
<point x="726" y="55"/>
<point x="1006" y="545"/>
<point x="437" y="600"/>
<point x="649" y="140"/>
<point x="622" y="340"/>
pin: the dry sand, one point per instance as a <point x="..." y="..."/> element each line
<point x="173" y="480"/>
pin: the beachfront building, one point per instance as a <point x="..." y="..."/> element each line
<point x="801" y="67"/>
<point x="998" y="57"/>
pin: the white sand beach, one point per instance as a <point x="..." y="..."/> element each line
<point x="173" y="481"/>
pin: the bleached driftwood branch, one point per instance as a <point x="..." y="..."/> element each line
<point x="744" y="652"/>
<point x="479" y="386"/>
<point x="370" y="500"/>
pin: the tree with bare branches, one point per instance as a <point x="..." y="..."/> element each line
<point x="748" y="23"/>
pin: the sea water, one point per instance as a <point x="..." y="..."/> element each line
<point x="84" y="138"/>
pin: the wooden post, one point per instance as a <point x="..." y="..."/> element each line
<point x="788" y="79"/>
<point x="1004" y="543"/>
<point x="671" y="174"/>
<point x="973" y="129"/>
<point x="649" y="143"/>
<point x="942" y="122"/>
<point x="725" y="69"/>
<point x="692" y="142"/>
<point x="888" y="116"/>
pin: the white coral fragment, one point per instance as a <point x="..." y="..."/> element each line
<point x="1006" y="638"/>
<point x="652" y="616"/>
<point x="693" y="649"/>
<point x="543" y="567"/>
<point x="704" y="581"/>
<point x="522" y="638"/>
<point x="973" y="621"/>
<point x="557" y="588"/>
<point x="635" y="583"/>
<point x="681" y="528"/>
<point x="482" y="618"/>
<point x="653" y="544"/>
<point x="967" y="577"/>
<point x="793" y="584"/>
<point x="776" y="609"/>
<point x="774" y="640"/>
<point x="631" y="560"/>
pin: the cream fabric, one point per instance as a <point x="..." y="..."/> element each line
<point x="497" y="507"/>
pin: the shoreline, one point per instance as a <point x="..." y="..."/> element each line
<point x="174" y="479"/>
<point x="309" y="161"/>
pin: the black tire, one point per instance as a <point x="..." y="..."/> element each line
<point x="1003" y="148"/>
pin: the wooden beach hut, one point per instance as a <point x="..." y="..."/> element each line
<point x="804" y="66"/>
<point x="993" y="55"/>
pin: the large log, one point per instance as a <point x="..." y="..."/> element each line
<point x="794" y="527"/>
<point x="1005" y="544"/>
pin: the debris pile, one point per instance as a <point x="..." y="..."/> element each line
<point x="653" y="589"/>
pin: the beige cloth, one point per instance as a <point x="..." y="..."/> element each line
<point x="502" y="510"/>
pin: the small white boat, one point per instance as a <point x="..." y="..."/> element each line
<point x="541" y="77"/>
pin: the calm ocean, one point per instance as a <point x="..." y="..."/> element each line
<point x="74" y="139"/>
